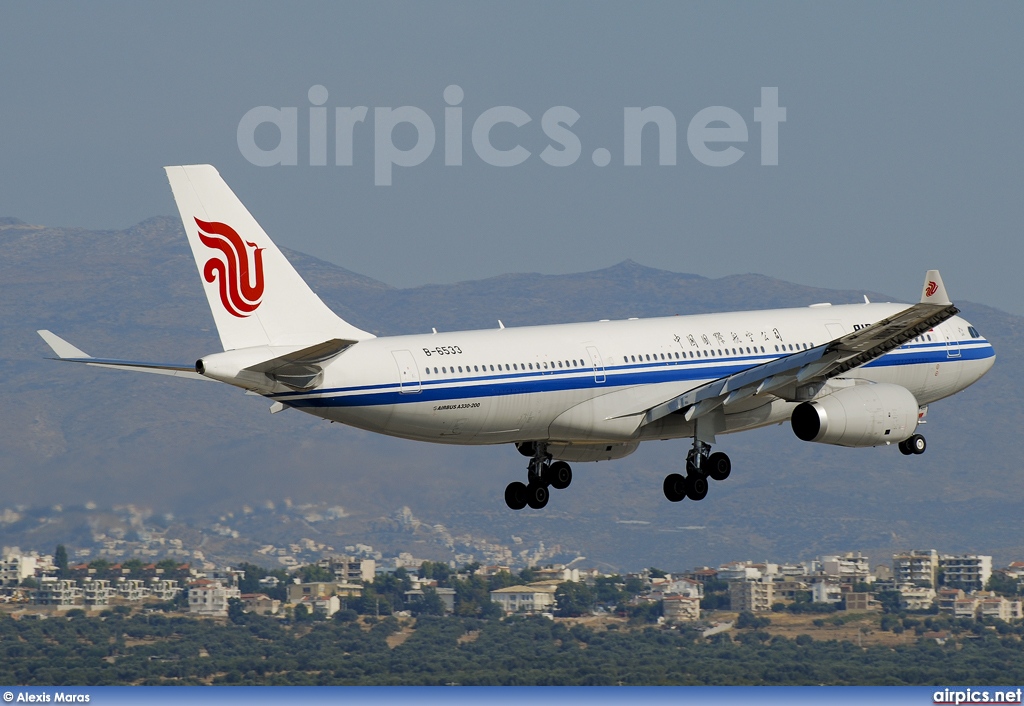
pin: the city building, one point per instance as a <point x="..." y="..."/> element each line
<point x="57" y="592"/>
<point x="970" y="572"/>
<point x="163" y="589"/>
<point x="916" y="567"/>
<point x="849" y="568"/>
<point x="753" y="596"/>
<point x="447" y="596"/>
<point x="132" y="589"/>
<point x="347" y="569"/>
<point x="15" y="568"/>
<point x="826" y="592"/>
<point x="321" y="589"/>
<point x="858" y="602"/>
<point x="208" y="597"/>
<point x="680" y="609"/>
<point x="525" y="599"/>
<point x="260" y="604"/>
<point x="96" y="593"/>
<point x="914" y="597"/>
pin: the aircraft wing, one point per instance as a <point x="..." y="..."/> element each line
<point x="69" y="353"/>
<point x="820" y="363"/>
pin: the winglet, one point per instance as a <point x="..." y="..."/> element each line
<point x="934" y="291"/>
<point x="62" y="348"/>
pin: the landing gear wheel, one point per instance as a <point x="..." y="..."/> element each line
<point x="718" y="466"/>
<point x="559" y="475"/>
<point x="674" y="487"/>
<point x="904" y="447"/>
<point x="536" y="496"/>
<point x="917" y="444"/>
<point x="515" y="495"/>
<point x="696" y="486"/>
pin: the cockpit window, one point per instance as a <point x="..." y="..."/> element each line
<point x="974" y="332"/>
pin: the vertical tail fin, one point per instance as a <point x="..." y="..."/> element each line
<point x="256" y="296"/>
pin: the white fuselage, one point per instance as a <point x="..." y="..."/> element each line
<point x="590" y="383"/>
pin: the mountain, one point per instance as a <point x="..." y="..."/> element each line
<point x="74" y="434"/>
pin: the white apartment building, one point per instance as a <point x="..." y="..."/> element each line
<point x="970" y="572"/>
<point x="206" y="597"/>
<point x="133" y="590"/>
<point x="57" y="592"/>
<point x="739" y="571"/>
<point x="525" y="599"/>
<point x="15" y="568"/>
<point x="826" y="592"/>
<point x="96" y="592"/>
<point x="851" y="567"/>
<point x="916" y="597"/>
<point x="163" y="589"/>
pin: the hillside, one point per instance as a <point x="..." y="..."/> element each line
<point x="75" y="434"/>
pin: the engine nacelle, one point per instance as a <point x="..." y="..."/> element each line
<point x="862" y="415"/>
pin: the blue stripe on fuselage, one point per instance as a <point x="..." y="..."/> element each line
<point x="615" y="376"/>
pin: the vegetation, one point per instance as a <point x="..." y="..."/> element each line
<point x="159" y="649"/>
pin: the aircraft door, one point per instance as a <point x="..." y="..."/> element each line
<point x="408" y="373"/>
<point x="952" y="342"/>
<point x="598" y="363"/>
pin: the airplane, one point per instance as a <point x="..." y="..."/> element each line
<point x="855" y="375"/>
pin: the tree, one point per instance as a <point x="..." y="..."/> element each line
<point x="657" y="573"/>
<point x="429" y="604"/>
<point x="436" y="570"/>
<point x="60" y="560"/>
<point x="502" y="579"/>
<point x="574" y="599"/>
<point x="312" y="573"/>
<point x="236" y="611"/>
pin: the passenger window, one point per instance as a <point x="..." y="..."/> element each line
<point x="435" y="371"/>
<point x="444" y="370"/>
<point x="559" y="364"/>
<point x="776" y="349"/>
<point x="460" y="368"/>
<point x="515" y="367"/>
<point x="677" y="355"/>
<point x="476" y="369"/>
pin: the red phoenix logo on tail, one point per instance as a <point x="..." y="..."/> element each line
<point x="241" y="288"/>
<point x="931" y="289"/>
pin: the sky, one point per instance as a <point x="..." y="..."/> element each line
<point x="900" y="148"/>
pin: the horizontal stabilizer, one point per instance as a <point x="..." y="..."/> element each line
<point x="69" y="353"/>
<point x="302" y="368"/>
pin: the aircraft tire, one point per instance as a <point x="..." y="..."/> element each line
<point x="674" y="487"/>
<point x="696" y="486"/>
<point x="917" y="444"/>
<point x="537" y="496"/>
<point x="718" y="466"/>
<point x="904" y="447"/>
<point x="559" y="475"/>
<point x="515" y="495"/>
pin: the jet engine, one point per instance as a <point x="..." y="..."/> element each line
<point x="862" y="415"/>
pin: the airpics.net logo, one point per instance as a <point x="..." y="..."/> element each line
<point x="715" y="135"/>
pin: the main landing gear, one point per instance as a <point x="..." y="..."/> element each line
<point x="914" y="445"/>
<point x="701" y="464"/>
<point x="541" y="474"/>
